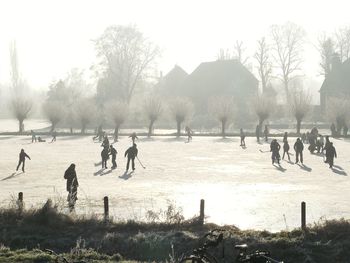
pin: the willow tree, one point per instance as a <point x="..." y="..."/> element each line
<point x="181" y="109"/>
<point x="153" y="109"/>
<point x="300" y="104"/>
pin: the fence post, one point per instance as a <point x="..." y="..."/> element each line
<point x="303" y="215"/>
<point x="106" y="208"/>
<point x="20" y="201"/>
<point x="201" y="212"/>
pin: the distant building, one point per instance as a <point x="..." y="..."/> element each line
<point x="210" y="79"/>
<point x="336" y="83"/>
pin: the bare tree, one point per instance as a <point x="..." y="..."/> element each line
<point x="153" y="109"/>
<point x="264" y="67"/>
<point x="338" y="111"/>
<point x="181" y="109"/>
<point x="54" y="111"/>
<point x="223" y="109"/>
<point x="118" y="112"/>
<point x="342" y="41"/>
<point x="239" y="50"/>
<point x="288" y="42"/>
<point x="264" y="106"/>
<point x="85" y="111"/>
<point x="21" y="107"/>
<point x="326" y="48"/>
<point x="126" y="56"/>
<point x="300" y="104"/>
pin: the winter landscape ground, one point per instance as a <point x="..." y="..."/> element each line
<point x="240" y="186"/>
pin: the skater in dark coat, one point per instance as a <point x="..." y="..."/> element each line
<point x="275" y="149"/>
<point x="104" y="156"/>
<point x="54" y="135"/>
<point x="22" y="159"/>
<point x="72" y="185"/>
<point x="285" y="137"/>
<point x="189" y="133"/>
<point x="105" y="143"/>
<point x="113" y="152"/>
<point x="242" y="135"/>
<point x="132" y="154"/>
<point x="330" y="154"/>
<point x="326" y="146"/>
<point x="286" y="149"/>
<point x="298" y="148"/>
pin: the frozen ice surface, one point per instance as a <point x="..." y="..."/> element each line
<point x="240" y="186"/>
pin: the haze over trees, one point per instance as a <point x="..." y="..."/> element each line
<point x="118" y="113"/>
<point x="181" y="109"/>
<point x="153" y="108"/>
<point x="300" y="106"/>
<point x="338" y="112"/>
<point x="263" y="106"/>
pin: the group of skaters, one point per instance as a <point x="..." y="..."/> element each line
<point x="36" y="138"/>
<point x="315" y="141"/>
<point x="109" y="150"/>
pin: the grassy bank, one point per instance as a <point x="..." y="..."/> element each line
<point x="24" y="236"/>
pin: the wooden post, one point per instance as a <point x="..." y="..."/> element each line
<point x="303" y="215"/>
<point x="106" y="208"/>
<point x="20" y="201"/>
<point x="201" y="212"/>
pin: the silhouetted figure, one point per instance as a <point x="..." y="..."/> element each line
<point x="131" y="153"/>
<point x="72" y="186"/>
<point x="242" y="135"/>
<point x="133" y="137"/>
<point x="105" y="143"/>
<point x="286" y="149"/>
<point x="330" y="154"/>
<point x="40" y="139"/>
<point x="275" y="149"/>
<point x="189" y="133"/>
<point x="345" y="130"/>
<point x="113" y="152"/>
<point x="257" y="133"/>
<point x="22" y="159"/>
<point x="54" y="135"/>
<point x="266" y="133"/>
<point x="333" y="131"/>
<point x="298" y="148"/>
<point x="104" y="156"/>
<point x="33" y="136"/>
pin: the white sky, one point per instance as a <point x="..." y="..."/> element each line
<point x="55" y="36"/>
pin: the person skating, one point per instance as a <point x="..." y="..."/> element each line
<point x="266" y="133"/>
<point x="105" y="143"/>
<point x="33" y="136"/>
<point x="72" y="186"/>
<point x="242" y="135"/>
<point x="189" y="133"/>
<point x="285" y="137"/>
<point x="131" y="153"/>
<point x="330" y="154"/>
<point x="104" y="156"/>
<point x="257" y="133"/>
<point x="113" y="152"/>
<point x="275" y="149"/>
<point x="22" y="159"/>
<point x="54" y="135"/>
<point x="298" y="148"/>
<point x="286" y="149"/>
<point x="133" y="137"/>
<point x="326" y="146"/>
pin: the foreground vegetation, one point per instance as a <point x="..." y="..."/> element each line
<point x="25" y="235"/>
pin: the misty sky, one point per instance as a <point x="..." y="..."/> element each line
<point x="55" y="36"/>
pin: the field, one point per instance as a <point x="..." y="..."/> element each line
<point x="240" y="186"/>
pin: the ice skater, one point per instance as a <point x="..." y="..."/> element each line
<point x="105" y="143"/>
<point x="298" y="148"/>
<point x="72" y="186"/>
<point x="131" y="153"/>
<point x="330" y="154"/>
<point x="133" y="137"/>
<point x="189" y="133"/>
<point x="275" y="149"/>
<point x="33" y="136"/>
<point x="22" y="160"/>
<point x="113" y="152"/>
<point x="286" y="149"/>
<point x="242" y="135"/>
<point x="104" y="156"/>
